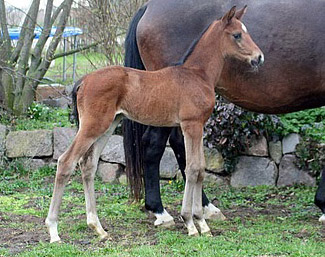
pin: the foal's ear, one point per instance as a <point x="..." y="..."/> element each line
<point x="239" y="14"/>
<point x="226" y="19"/>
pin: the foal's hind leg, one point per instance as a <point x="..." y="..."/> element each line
<point x="66" y="165"/>
<point x="84" y="139"/>
<point x="88" y="165"/>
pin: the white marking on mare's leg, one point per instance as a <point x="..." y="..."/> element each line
<point x="164" y="219"/>
<point x="244" y="27"/>
<point x="322" y="219"/>
<point x="213" y="213"/>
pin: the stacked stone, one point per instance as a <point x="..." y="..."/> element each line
<point x="263" y="163"/>
<point x="271" y="163"/>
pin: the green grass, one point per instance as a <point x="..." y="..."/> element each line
<point x="85" y="64"/>
<point x="261" y="221"/>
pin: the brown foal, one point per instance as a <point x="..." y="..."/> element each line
<point x="174" y="96"/>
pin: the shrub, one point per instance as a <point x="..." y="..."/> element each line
<point x="230" y="129"/>
<point x="308" y="123"/>
<point x="38" y="116"/>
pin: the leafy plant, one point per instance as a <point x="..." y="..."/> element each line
<point x="230" y="129"/>
<point x="310" y="123"/>
<point x="311" y="156"/>
<point x="38" y="116"/>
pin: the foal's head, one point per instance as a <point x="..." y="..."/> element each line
<point x="236" y="42"/>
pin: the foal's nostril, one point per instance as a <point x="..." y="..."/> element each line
<point x="254" y="63"/>
<point x="260" y="60"/>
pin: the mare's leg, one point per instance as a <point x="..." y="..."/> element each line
<point x="176" y="141"/>
<point x="84" y="139"/>
<point x="195" y="165"/>
<point x="88" y="165"/>
<point x="154" y="143"/>
<point x="320" y="197"/>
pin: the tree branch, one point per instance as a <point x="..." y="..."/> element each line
<point x="57" y="12"/>
<point x="37" y="54"/>
<point x="24" y="55"/>
<point x="56" y="39"/>
<point x="4" y="29"/>
<point x="15" y="55"/>
<point x="76" y="50"/>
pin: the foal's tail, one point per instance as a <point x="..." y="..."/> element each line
<point x="75" y="114"/>
<point x="132" y="131"/>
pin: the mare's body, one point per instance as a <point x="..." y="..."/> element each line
<point x="293" y="77"/>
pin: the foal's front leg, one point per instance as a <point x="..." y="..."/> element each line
<point x="195" y="164"/>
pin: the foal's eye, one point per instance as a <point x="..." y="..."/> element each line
<point x="237" y="36"/>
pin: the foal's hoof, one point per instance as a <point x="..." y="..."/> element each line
<point x="211" y="212"/>
<point x="193" y="233"/>
<point x="322" y="219"/>
<point x="207" y="233"/>
<point x="56" y="240"/>
<point x="104" y="238"/>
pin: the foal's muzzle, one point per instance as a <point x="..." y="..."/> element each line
<point x="258" y="61"/>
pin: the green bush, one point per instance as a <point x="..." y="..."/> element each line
<point x="308" y="123"/>
<point x="230" y="129"/>
<point x="38" y="116"/>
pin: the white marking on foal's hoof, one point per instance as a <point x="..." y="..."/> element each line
<point x="211" y="212"/>
<point x="203" y="227"/>
<point x="192" y="231"/>
<point x="52" y="227"/>
<point x="56" y="240"/>
<point x="322" y="219"/>
<point x="164" y="219"/>
<point x="104" y="237"/>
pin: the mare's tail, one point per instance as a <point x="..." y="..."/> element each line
<point x="132" y="131"/>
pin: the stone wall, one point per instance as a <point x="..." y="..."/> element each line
<point x="270" y="163"/>
<point x="263" y="163"/>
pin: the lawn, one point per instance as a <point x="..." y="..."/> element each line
<point x="85" y="63"/>
<point x="262" y="221"/>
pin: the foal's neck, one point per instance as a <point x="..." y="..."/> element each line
<point x="207" y="56"/>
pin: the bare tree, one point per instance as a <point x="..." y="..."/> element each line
<point x="23" y="67"/>
<point x="107" y="20"/>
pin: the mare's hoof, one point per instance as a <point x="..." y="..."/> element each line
<point x="164" y="219"/>
<point x="165" y="224"/>
<point x="211" y="212"/>
<point x="322" y="219"/>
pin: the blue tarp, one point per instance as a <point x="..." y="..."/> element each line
<point x="68" y="32"/>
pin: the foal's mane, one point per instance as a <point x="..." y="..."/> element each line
<point x="190" y="49"/>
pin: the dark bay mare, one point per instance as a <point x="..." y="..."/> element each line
<point x="289" y="32"/>
<point x="182" y="95"/>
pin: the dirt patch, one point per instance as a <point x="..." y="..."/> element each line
<point x="19" y="232"/>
